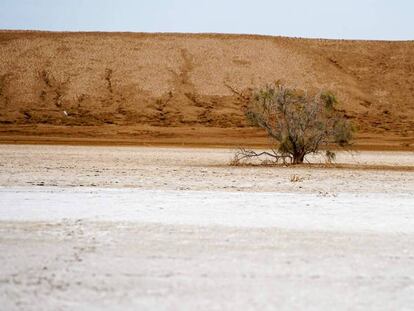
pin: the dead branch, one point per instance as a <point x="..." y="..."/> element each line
<point x="243" y="154"/>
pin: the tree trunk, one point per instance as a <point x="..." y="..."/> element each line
<point x="298" y="158"/>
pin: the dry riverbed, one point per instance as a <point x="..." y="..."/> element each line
<point x="124" y="228"/>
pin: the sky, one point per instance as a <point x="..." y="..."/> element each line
<point x="335" y="19"/>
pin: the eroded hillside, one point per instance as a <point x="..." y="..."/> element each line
<point x="50" y="82"/>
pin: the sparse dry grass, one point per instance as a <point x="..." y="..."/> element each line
<point x="296" y="178"/>
<point x="270" y="164"/>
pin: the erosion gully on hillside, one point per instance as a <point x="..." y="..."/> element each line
<point x="158" y="88"/>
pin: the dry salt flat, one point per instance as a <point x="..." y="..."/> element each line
<point x="110" y="228"/>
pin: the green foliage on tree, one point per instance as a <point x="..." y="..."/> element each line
<point x="298" y="123"/>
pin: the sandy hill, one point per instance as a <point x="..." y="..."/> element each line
<point x="178" y="87"/>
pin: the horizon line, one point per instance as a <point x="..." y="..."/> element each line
<point x="200" y="33"/>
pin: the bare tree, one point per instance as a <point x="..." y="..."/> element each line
<point x="298" y="123"/>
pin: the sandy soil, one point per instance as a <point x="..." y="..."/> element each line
<point x="134" y="86"/>
<point x="194" y="136"/>
<point x="126" y="228"/>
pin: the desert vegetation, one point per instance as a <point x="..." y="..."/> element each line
<point x="299" y="123"/>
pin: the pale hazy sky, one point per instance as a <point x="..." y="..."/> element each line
<point x="347" y="19"/>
